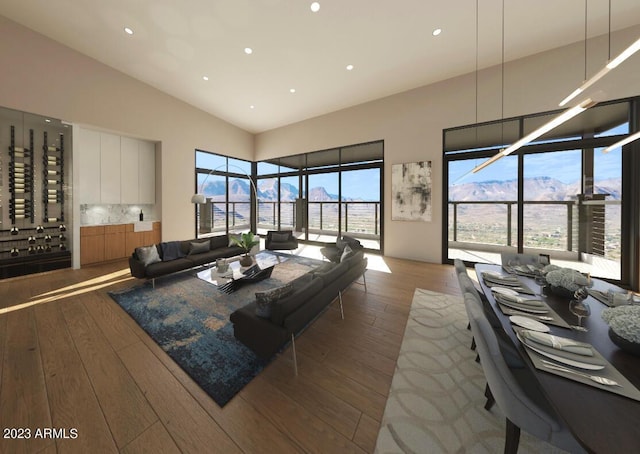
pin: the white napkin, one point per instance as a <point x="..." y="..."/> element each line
<point x="521" y="300"/>
<point x="558" y="343"/>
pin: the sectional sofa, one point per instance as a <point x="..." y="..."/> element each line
<point x="293" y="311"/>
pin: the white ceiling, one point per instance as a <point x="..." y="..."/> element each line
<point x="390" y="44"/>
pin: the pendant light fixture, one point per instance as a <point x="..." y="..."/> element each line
<point x="622" y="142"/>
<point x="611" y="64"/>
<point x="554" y="123"/>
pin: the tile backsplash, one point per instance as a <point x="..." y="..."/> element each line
<point x="115" y="214"/>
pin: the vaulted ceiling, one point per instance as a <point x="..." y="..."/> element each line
<point x="390" y="44"/>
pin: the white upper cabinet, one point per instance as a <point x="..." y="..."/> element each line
<point x="146" y="172"/>
<point x="115" y="169"/>
<point x="89" y="166"/>
<point x="109" y="168"/>
<point x="129" y="179"/>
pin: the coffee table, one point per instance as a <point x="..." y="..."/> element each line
<point x="263" y="259"/>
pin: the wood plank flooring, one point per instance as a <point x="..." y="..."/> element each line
<point x="71" y="358"/>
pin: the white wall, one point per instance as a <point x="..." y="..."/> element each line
<point x="47" y="78"/>
<point x="44" y="77"/>
<point x="411" y="123"/>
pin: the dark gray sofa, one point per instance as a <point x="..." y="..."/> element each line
<point x="313" y="292"/>
<point x="187" y="256"/>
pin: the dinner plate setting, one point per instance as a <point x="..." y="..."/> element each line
<point x="529" y="323"/>
<point x="566" y="351"/>
<point x="574" y="360"/>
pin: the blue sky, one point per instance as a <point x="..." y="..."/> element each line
<point x="356" y="184"/>
<point x="565" y="167"/>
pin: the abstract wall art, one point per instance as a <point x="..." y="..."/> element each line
<point x="411" y="191"/>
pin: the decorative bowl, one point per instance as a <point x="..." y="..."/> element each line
<point x="558" y="291"/>
<point x="624" y="344"/>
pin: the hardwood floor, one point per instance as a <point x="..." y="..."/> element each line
<point x="71" y="358"/>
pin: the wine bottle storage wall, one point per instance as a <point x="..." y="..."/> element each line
<point x="53" y="181"/>
<point x="34" y="169"/>
<point x="21" y="180"/>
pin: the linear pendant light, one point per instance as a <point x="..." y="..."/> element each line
<point x="622" y="142"/>
<point x="554" y="123"/>
<point x="625" y="54"/>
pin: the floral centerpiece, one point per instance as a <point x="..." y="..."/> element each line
<point x="624" y="327"/>
<point x="565" y="281"/>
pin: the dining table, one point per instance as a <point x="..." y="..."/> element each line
<point x="601" y="421"/>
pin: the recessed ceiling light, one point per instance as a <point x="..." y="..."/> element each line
<point x="437" y="31"/>
<point x="47" y="120"/>
<point x="248" y="50"/>
<point x="128" y="31"/>
<point x="349" y="67"/>
<point x="292" y="90"/>
<point x="205" y="78"/>
<point x="252" y="107"/>
<point x="315" y="7"/>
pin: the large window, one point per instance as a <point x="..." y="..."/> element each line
<point x="318" y="195"/>
<point x="227" y="188"/>
<point x="325" y="193"/>
<point x="560" y="196"/>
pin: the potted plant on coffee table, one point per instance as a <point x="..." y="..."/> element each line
<point x="246" y="241"/>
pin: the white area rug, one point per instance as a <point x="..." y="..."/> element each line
<point x="436" y="401"/>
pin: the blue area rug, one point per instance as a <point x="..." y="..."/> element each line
<point x="189" y="319"/>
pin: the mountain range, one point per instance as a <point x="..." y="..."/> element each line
<point x="539" y="188"/>
<point x="239" y="190"/>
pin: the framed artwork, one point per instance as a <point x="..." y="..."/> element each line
<point x="411" y="191"/>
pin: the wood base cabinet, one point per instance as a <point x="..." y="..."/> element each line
<point x="111" y="242"/>
<point x="91" y="244"/>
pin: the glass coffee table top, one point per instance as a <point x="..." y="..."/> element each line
<point x="262" y="259"/>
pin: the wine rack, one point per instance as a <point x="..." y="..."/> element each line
<point x="21" y="180"/>
<point x="33" y="234"/>
<point x="53" y="180"/>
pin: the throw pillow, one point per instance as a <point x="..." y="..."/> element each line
<point x="231" y="237"/>
<point x="218" y="242"/>
<point x="171" y="250"/>
<point x="148" y="254"/>
<point x="198" y="247"/>
<point x="280" y="237"/>
<point x="346" y="253"/>
<point x="264" y="300"/>
<point x="351" y="241"/>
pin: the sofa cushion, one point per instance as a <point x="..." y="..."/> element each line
<point x="148" y="254"/>
<point x="283" y="307"/>
<point x="171" y="250"/>
<point x="355" y="259"/>
<point x="346" y="253"/>
<point x="279" y="237"/>
<point x="218" y="241"/>
<point x="302" y="281"/>
<point x="324" y="268"/>
<point x="264" y="300"/>
<point x="198" y="247"/>
<point x="333" y="273"/>
<point x="161" y="268"/>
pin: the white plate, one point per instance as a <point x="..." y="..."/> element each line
<point x="563" y="360"/>
<point x="523" y="308"/>
<point x="504" y="291"/>
<point x="529" y="323"/>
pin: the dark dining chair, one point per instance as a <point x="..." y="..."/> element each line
<point x="515" y="391"/>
